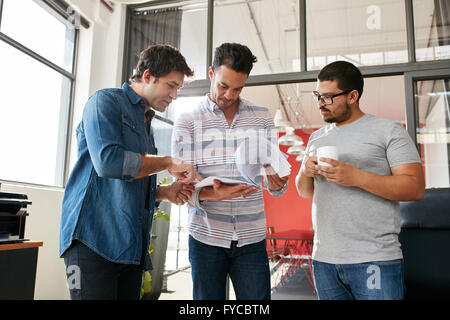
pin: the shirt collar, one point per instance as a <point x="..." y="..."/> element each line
<point x="149" y="114"/>
<point x="132" y="95"/>
<point x="211" y="104"/>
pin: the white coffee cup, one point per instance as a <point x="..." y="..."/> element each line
<point x="327" y="152"/>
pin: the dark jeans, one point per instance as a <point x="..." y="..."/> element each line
<point x="247" y="266"/>
<point x="92" y="277"/>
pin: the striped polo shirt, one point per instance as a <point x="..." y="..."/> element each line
<point x="203" y="137"/>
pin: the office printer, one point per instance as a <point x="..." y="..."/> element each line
<point x="13" y="212"/>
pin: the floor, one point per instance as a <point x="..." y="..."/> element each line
<point x="295" y="287"/>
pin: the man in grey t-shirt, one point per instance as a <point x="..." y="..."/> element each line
<point x="355" y="208"/>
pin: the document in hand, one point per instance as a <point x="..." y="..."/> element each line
<point x="210" y="181"/>
<point x="253" y="154"/>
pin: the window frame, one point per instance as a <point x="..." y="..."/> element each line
<point x="54" y="8"/>
<point x="201" y="87"/>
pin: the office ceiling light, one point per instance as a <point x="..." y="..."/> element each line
<point x="290" y="139"/>
<point x="279" y="121"/>
<point x="298" y="150"/>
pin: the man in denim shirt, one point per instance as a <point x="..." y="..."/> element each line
<point x="110" y="196"/>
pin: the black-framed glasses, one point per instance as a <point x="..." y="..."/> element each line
<point x="327" y="100"/>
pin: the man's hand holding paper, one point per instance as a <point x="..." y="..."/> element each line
<point x="222" y="191"/>
<point x="274" y="181"/>
<point x="254" y="161"/>
<point x="263" y="159"/>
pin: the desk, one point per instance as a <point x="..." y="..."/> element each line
<point x="18" y="269"/>
<point x="292" y="248"/>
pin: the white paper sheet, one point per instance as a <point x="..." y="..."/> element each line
<point x="250" y="157"/>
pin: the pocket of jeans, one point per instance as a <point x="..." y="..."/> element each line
<point x="386" y="263"/>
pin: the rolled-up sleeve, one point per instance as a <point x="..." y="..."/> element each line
<point x="131" y="164"/>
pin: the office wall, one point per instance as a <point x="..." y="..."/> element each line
<point x="99" y="65"/>
<point x="42" y="224"/>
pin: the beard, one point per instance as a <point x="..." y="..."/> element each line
<point x="340" y="118"/>
<point x="221" y="101"/>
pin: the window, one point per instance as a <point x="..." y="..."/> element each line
<point x="270" y="28"/>
<point x="37" y="51"/>
<point x="431" y="29"/>
<point x="182" y="25"/>
<point x="181" y="105"/>
<point x="177" y="250"/>
<point x="383" y="97"/>
<point x="32" y="27"/>
<point x="177" y="255"/>
<point x="363" y="32"/>
<point x="433" y="130"/>
<point x="193" y="37"/>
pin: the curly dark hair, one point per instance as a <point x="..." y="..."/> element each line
<point x="235" y="56"/>
<point x="347" y="75"/>
<point x="161" y="59"/>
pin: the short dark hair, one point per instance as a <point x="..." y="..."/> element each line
<point x="234" y="56"/>
<point x="161" y="59"/>
<point x="347" y="75"/>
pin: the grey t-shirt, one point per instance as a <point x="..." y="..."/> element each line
<point x="352" y="225"/>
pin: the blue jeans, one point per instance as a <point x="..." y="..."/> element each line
<point x="247" y="266"/>
<point x="378" y="280"/>
<point x="92" y="277"/>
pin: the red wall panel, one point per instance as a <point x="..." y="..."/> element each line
<point x="289" y="211"/>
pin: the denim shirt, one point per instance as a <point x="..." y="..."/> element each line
<point x="104" y="205"/>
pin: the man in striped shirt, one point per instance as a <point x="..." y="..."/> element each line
<point x="227" y="223"/>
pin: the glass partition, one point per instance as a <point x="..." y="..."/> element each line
<point x="270" y="28"/>
<point x="181" y="105"/>
<point x="383" y="97"/>
<point x="432" y="29"/>
<point x="363" y="32"/>
<point x="432" y="99"/>
<point x="182" y="25"/>
<point x="193" y="36"/>
<point x="177" y="245"/>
